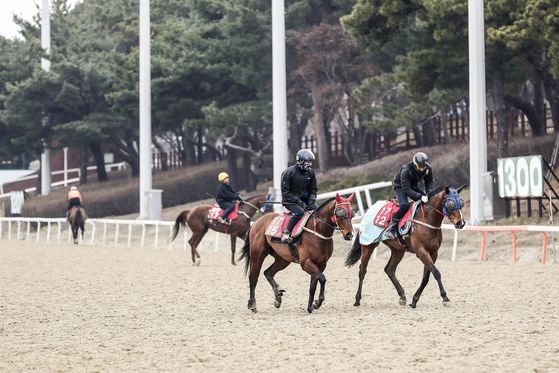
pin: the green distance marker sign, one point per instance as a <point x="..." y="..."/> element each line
<point x="520" y="176"/>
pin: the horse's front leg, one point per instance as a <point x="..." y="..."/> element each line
<point x="313" y="270"/>
<point x="320" y="300"/>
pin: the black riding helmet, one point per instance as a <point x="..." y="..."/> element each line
<point x="421" y="161"/>
<point x="304" y="159"/>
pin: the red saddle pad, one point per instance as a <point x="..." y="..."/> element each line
<point x="215" y="212"/>
<point x="279" y="223"/>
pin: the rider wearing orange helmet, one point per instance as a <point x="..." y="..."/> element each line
<point x="226" y="196"/>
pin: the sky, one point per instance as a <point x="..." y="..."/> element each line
<point x="24" y="8"/>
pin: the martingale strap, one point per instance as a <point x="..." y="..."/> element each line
<point x="424" y="224"/>
<point x="317" y="234"/>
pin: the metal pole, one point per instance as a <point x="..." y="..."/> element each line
<point x="65" y="149"/>
<point x="45" y="65"/>
<point x="478" y="130"/>
<point x="145" y="108"/>
<point x="279" y="95"/>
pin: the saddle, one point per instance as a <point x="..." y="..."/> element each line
<point x="216" y="212"/>
<point x="279" y="223"/>
<point x="384" y="216"/>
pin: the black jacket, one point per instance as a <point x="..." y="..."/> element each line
<point x="408" y="179"/>
<point x="298" y="185"/>
<point x="226" y="193"/>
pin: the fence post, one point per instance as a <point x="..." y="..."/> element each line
<point x="544" y="248"/>
<point x="38" y="231"/>
<point x="482" y="253"/>
<point x="130" y="235"/>
<point x="455" y="245"/>
<point x="513" y="246"/>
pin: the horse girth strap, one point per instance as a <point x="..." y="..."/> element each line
<point x="245" y="214"/>
<point x="425" y="224"/>
<point x="317" y="234"/>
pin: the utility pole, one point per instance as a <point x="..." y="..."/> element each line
<point x="478" y="130"/>
<point x="145" y="109"/>
<point x="279" y="95"/>
<point x="45" y="65"/>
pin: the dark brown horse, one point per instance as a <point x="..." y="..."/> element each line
<point x="425" y="240"/>
<point x="77" y="218"/>
<point x="314" y="250"/>
<point x="197" y="220"/>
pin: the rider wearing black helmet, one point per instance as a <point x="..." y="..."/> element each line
<point x="298" y="190"/>
<point x="406" y="184"/>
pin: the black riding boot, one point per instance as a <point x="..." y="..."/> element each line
<point x="391" y="231"/>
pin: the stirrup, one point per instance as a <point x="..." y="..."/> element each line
<point x="286" y="238"/>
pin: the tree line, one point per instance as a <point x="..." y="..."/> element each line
<point x="367" y="65"/>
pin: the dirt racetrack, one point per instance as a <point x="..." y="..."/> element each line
<point x="86" y="308"/>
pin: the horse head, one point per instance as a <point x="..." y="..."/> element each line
<point x="452" y="206"/>
<point x="341" y="214"/>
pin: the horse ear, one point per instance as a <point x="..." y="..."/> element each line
<point x="459" y="189"/>
<point x="338" y="198"/>
<point x="351" y="197"/>
<point x="447" y="190"/>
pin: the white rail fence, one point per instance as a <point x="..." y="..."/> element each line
<point x="66" y="181"/>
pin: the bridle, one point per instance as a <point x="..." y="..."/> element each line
<point x="342" y="211"/>
<point x="449" y="206"/>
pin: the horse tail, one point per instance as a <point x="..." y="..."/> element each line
<point x="355" y="253"/>
<point x="245" y="252"/>
<point x="181" y="219"/>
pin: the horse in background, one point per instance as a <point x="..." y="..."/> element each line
<point x="197" y="220"/>
<point x="314" y="250"/>
<point x="424" y="241"/>
<point x="77" y="217"/>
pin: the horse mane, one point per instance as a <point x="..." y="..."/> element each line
<point x="325" y="203"/>
<point x="436" y="191"/>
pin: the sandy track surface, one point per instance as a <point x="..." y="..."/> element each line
<point x="65" y="308"/>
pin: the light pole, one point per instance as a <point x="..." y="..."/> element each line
<point x="145" y="109"/>
<point x="279" y="95"/>
<point x="45" y="65"/>
<point x="478" y="130"/>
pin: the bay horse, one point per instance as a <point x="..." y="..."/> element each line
<point x="77" y="218"/>
<point x="314" y="250"/>
<point x="424" y="241"/>
<point x="197" y="220"/>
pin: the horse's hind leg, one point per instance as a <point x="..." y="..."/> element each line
<point x="194" y="241"/>
<point x="366" y="252"/>
<point x="256" y="260"/>
<point x="277" y="266"/>
<point x="390" y="269"/>
<point x="83" y="230"/>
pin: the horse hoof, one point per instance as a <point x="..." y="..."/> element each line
<point x="309" y="310"/>
<point x="413" y="305"/>
<point x="277" y="303"/>
<point x="402" y="301"/>
<point x="252" y="305"/>
<point x="357" y="303"/>
<point x="446" y="303"/>
<point x="198" y="262"/>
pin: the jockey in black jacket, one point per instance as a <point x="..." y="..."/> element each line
<point x="406" y="184"/>
<point x="226" y="196"/>
<point x="298" y="190"/>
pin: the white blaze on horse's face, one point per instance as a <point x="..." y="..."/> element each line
<point x="343" y="214"/>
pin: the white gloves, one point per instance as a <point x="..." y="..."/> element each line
<point x="424" y="199"/>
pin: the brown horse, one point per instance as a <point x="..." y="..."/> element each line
<point x="314" y="250"/>
<point x="197" y="220"/>
<point x="77" y="218"/>
<point x="425" y="240"/>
